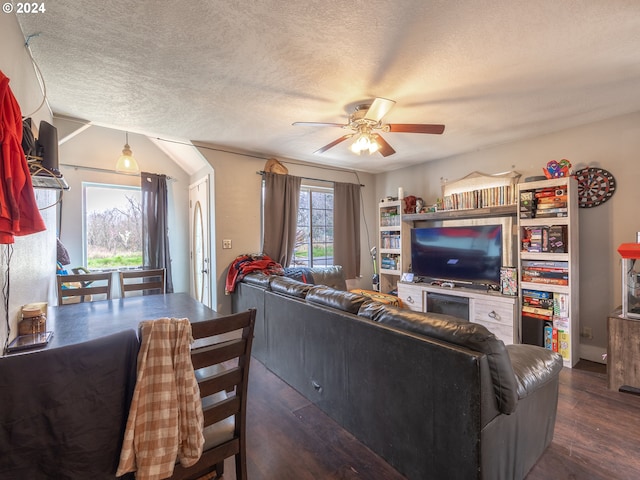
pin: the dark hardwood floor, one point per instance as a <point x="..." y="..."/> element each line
<point x="597" y="435"/>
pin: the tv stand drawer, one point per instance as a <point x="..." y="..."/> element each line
<point x="412" y="296"/>
<point x="497" y="317"/>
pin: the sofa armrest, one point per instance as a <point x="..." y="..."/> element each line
<point x="533" y="367"/>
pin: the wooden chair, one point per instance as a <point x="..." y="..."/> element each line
<point x="222" y="366"/>
<point x="151" y="281"/>
<point x="89" y="285"/>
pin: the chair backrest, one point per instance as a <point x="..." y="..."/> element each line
<point x="84" y="286"/>
<point x="221" y="355"/>
<point x="147" y="281"/>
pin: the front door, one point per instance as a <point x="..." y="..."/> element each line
<point x="200" y="283"/>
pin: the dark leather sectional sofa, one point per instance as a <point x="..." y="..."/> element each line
<point x="435" y="396"/>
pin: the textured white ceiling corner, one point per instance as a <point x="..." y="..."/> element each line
<point x="238" y="74"/>
<point x="186" y="155"/>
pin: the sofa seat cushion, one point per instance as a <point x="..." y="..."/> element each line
<point x="533" y="367"/>
<point x="338" y="299"/>
<point x="289" y="286"/>
<point x="379" y="297"/>
<point x="450" y="329"/>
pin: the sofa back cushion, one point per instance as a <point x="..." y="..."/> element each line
<point x="459" y="332"/>
<point x="332" y="276"/>
<point x="338" y="299"/>
<point x="257" y="278"/>
<point x="289" y="286"/>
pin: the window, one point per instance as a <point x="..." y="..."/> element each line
<point x="112" y="226"/>
<point x="314" y="234"/>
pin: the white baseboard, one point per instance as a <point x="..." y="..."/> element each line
<point x="593" y="353"/>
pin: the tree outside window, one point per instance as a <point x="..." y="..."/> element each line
<point x="112" y="226"/>
<point x="314" y="234"/>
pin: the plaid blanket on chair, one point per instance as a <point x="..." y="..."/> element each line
<point x="165" y="419"/>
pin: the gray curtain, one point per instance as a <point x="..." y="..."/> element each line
<point x="346" y="228"/>
<point x="155" y="231"/>
<point x="281" y="200"/>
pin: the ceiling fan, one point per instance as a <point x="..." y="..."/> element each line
<point x="364" y="121"/>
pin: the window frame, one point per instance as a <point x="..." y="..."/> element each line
<point x="311" y="189"/>
<point x="85" y="215"/>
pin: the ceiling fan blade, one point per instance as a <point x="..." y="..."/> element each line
<point x="378" y="109"/>
<point x="318" y="124"/>
<point x="332" y="144"/>
<point x="384" y="148"/>
<point x="415" y="128"/>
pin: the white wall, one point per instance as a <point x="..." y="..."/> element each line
<point x="32" y="264"/>
<point x="237" y="211"/>
<point x="100" y="147"/>
<point x="612" y="144"/>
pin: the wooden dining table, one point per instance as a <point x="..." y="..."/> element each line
<point x="65" y="406"/>
<point x="80" y="322"/>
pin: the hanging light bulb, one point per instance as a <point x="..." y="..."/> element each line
<point x="373" y="145"/>
<point x="126" y="163"/>
<point x="364" y="142"/>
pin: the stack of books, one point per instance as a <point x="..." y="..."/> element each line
<point x="544" y="203"/>
<point x="545" y="271"/>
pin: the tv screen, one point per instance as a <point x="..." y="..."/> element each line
<point x="470" y="254"/>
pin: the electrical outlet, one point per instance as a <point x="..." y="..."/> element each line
<point x="586" y="332"/>
<point x="226" y="243"/>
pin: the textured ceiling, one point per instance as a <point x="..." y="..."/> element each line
<point x="237" y="74"/>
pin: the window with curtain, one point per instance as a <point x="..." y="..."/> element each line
<point x="314" y="231"/>
<point x="311" y="226"/>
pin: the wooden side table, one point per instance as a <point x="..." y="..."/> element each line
<point x="623" y="351"/>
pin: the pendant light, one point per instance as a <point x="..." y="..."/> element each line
<point x="126" y="163"/>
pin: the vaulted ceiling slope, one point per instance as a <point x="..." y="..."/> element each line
<point x="238" y="74"/>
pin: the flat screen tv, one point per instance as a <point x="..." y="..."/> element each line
<point x="468" y="254"/>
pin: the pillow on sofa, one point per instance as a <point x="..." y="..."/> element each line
<point x="338" y="299"/>
<point x="459" y="332"/>
<point x="302" y="274"/>
<point x="289" y="286"/>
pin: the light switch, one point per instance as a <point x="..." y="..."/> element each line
<point x="226" y="243"/>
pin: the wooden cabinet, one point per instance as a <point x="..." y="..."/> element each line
<point x="393" y="244"/>
<point x="548" y="265"/>
<point x="623" y="351"/>
<point x="495" y="311"/>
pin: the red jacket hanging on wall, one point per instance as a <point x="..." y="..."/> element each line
<point x="19" y="213"/>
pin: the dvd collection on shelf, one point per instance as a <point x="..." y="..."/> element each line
<point x="545" y="238"/>
<point x="480" y="198"/>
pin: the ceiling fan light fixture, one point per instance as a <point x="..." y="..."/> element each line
<point x="126" y="163"/>
<point x="364" y="143"/>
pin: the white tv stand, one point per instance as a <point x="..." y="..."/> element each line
<point x="495" y="311"/>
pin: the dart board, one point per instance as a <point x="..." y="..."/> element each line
<point x="595" y="186"/>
